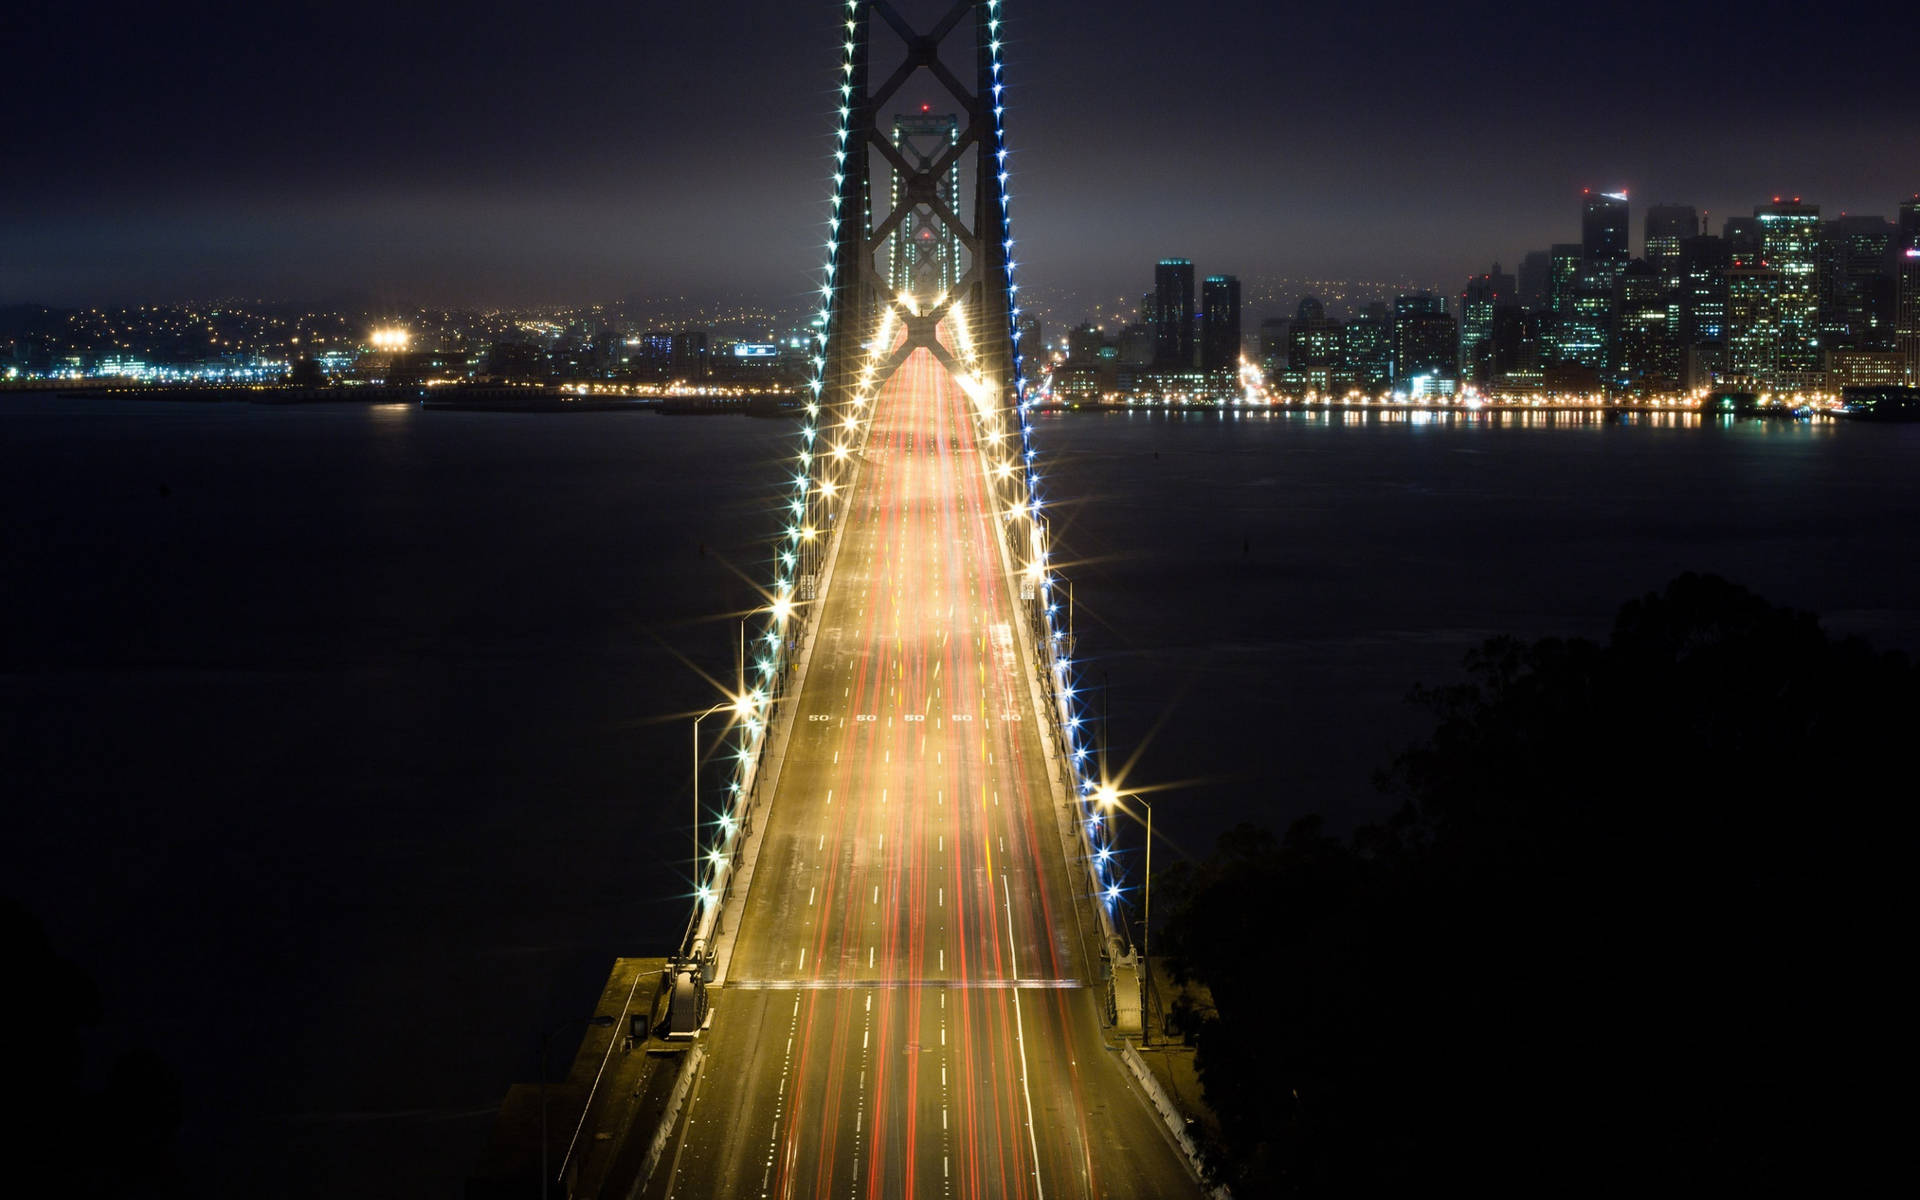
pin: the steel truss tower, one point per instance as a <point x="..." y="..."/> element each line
<point x="924" y="256"/>
<point x="864" y="219"/>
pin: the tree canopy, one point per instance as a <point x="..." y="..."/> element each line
<point x="1633" y="925"/>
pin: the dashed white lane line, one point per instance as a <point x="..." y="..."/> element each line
<point x="1020" y="1040"/>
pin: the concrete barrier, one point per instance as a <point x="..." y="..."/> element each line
<point x="1169" y="1111"/>
<point x="663" y="1131"/>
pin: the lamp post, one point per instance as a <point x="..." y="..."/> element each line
<point x="597" y="1021"/>
<point x="738" y="705"/>
<point x="1109" y="798"/>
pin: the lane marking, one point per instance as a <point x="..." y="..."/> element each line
<point x="1020" y="1039"/>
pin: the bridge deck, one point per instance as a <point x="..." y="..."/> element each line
<point x="911" y="1004"/>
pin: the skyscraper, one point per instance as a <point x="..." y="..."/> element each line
<point x="1173" y="314"/>
<point x="1424" y="338"/>
<point x="1531" y="280"/>
<point x="1366" y="349"/>
<point x="1753" y="323"/>
<point x="1563" y="277"/>
<point x="1906" y="319"/>
<point x="1667" y="224"/>
<point x="1313" y="340"/>
<point x="1790" y="247"/>
<point x="1644" y="357"/>
<point x="1703" y="297"/>
<point x="1220" y="324"/>
<point x="1743" y="241"/>
<point x="1478" y="301"/>
<point x="1603" y="229"/>
<point x="1857" y="292"/>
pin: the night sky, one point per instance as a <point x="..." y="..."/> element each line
<point x="513" y="153"/>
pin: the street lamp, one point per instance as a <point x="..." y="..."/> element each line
<point x="1109" y="798"/>
<point x="739" y="706"/>
<point x="597" y="1021"/>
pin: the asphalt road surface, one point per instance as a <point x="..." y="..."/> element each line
<point x="910" y="1008"/>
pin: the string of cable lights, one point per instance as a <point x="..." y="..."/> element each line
<point x="837" y="420"/>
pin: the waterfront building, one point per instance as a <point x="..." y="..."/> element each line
<point x="1753" y="324"/>
<point x="1790" y="246"/>
<point x="1136" y="344"/>
<point x="690" y="360"/>
<point x="1173" y="313"/>
<point x="1478" y="300"/>
<point x="1586" y="329"/>
<point x="1084" y="342"/>
<point x="1704" y="259"/>
<point x="1425" y="344"/>
<point x="1865" y="368"/>
<point x="1313" y="338"/>
<point x="1563" y="280"/>
<point x="1220" y="325"/>
<point x="1366" y="350"/>
<point x="1644" y="357"/>
<point x="1273" y="344"/>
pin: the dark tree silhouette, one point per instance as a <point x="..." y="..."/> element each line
<point x="1637" y="924"/>
<point x="68" y="1134"/>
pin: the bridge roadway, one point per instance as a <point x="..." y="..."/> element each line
<point x="910" y="1008"/>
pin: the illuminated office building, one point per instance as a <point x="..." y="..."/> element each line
<point x="1790" y="248"/>
<point x="1644" y="356"/>
<point x="1425" y="340"/>
<point x="1563" y="280"/>
<point x="1313" y="338"/>
<point x="1704" y="260"/>
<point x="1753" y="324"/>
<point x="1478" y="301"/>
<point x="1366" y="349"/>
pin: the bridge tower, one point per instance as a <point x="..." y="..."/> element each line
<point x="923" y="193"/>
<point x="924" y="255"/>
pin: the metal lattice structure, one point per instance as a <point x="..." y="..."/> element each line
<point x="923" y="255"/>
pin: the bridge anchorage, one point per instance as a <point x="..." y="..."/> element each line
<point x="903" y="969"/>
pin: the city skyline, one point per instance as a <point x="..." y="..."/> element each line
<point x="1303" y="144"/>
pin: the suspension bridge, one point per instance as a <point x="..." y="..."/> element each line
<point x="904" y="972"/>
